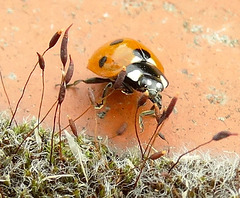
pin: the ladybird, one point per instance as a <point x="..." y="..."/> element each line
<point x="143" y="70"/>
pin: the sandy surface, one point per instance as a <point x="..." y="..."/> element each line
<point x="196" y="41"/>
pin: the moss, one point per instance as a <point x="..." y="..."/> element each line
<point x="87" y="171"/>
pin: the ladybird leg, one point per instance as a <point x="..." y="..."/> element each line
<point x="94" y="80"/>
<point x="116" y="84"/>
<point x="104" y="95"/>
<point x="150" y="112"/>
<point x="126" y="89"/>
<point x="157" y="104"/>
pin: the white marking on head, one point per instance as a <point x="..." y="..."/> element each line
<point x="164" y="81"/>
<point x="159" y="86"/>
<point x="134" y="75"/>
<point x="136" y="59"/>
<point x="150" y="60"/>
<point x="149" y="82"/>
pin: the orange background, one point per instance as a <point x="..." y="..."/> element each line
<point x="196" y="41"/>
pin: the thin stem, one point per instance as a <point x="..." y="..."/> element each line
<point x="45" y="51"/>
<point x="75" y="119"/>
<point x="60" y="134"/>
<point x="23" y="91"/>
<point x="53" y="130"/>
<point x="24" y="88"/>
<point x="95" y="130"/>
<point x="187" y="153"/>
<point x="5" y="92"/>
<point x="36" y="126"/>
<point x="152" y="140"/>
<point x="136" y="132"/>
<point x="41" y="101"/>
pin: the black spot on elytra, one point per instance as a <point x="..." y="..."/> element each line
<point x="116" y="42"/>
<point x="141" y="53"/>
<point x="102" y="61"/>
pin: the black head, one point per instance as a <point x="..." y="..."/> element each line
<point x="144" y="76"/>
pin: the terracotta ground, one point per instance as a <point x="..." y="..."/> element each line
<point x="196" y="41"/>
